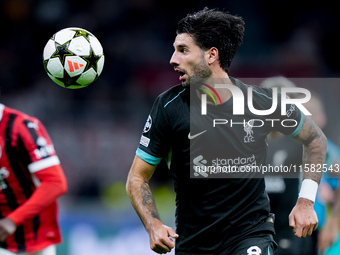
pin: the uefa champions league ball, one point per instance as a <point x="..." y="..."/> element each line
<point x="73" y="58"/>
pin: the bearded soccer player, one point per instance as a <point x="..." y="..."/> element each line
<point x="31" y="180"/>
<point x="217" y="215"/>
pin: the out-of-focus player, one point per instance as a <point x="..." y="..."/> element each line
<point x="281" y="191"/>
<point x="328" y="197"/>
<point x="31" y="180"/>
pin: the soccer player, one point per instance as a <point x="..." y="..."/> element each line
<point x="216" y="215"/>
<point x="31" y="180"/>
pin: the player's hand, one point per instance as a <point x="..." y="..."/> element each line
<point x="303" y="219"/>
<point x="328" y="234"/>
<point x="7" y="227"/>
<point x="161" y="239"/>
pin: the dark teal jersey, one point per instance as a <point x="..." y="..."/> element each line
<point x="213" y="211"/>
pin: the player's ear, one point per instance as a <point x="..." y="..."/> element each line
<point x="212" y="55"/>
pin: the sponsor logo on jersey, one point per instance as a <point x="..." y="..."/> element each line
<point x="195" y="135"/>
<point x="147" y="125"/>
<point x="144" y="141"/>
<point x="200" y="163"/>
<point x="241" y="165"/>
<point x="32" y="125"/>
<point x="44" y="150"/>
<point x="41" y="141"/>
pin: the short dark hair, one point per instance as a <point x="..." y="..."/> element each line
<point x="214" y="28"/>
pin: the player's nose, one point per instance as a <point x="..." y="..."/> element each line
<point x="174" y="59"/>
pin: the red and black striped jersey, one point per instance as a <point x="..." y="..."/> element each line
<point x="25" y="149"/>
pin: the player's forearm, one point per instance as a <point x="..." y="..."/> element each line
<point x="314" y="149"/>
<point x="143" y="201"/>
<point x="53" y="184"/>
<point x="46" y="194"/>
<point x="314" y="155"/>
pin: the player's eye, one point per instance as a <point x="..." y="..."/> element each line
<point x="184" y="50"/>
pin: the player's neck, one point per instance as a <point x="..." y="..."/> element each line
<point x="219" y="76"/>
<point x="211" y="83"/>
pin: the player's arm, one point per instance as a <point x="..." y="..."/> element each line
<point x="138" y="189"/>
<point x="303" y="218"/>
<point x="314" y="148"/>
<point x="52" y="185"/>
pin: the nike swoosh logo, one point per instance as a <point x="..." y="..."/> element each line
<point x="194" y="136"/>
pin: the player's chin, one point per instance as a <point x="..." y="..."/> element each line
<point x="185" y="83"/>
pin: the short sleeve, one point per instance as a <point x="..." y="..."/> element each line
<point x="290" y="122"/>
<point x="154" y="141"/>
<point x="30" y="134"/>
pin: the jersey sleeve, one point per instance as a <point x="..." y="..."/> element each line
<point x="288" y="121"/>
<point x="154" y="141"/>
<point x="30" y="134"/>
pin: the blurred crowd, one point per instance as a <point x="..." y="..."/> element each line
<point x="96" y="129"/>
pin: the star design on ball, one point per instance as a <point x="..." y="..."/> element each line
<point x="62" y="51"/>
<point x="69" y="81"/>
<point x="82" y="33"/>
<point x="92" y="60"/>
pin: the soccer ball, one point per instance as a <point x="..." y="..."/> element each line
<point x="73" y="58"/>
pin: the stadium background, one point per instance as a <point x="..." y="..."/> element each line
<point x="96" y="130"/>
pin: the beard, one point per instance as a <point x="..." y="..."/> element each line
<point x="200" y="73"/>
